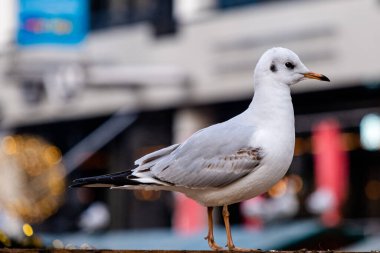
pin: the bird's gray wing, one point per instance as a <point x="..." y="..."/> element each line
<point x="213" y="157"/>
<point x="155" y="155"/>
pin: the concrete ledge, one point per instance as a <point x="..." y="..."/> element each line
<point x="154" y="251"/>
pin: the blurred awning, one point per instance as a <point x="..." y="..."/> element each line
<point x="208" y="61"/>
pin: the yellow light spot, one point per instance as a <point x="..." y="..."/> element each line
<point x="37" y="168"/>
<point x="9" y="145"/>
<point x="27" y="229"/>
<point x="52" y="155"/>
<point x="4" y="239"/>
<point x="278" y="189"/>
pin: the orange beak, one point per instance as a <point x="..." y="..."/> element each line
<point x="317" y="76"/>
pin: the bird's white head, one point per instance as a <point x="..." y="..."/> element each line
<point x="284" y="67"/>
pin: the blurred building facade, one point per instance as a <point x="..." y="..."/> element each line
<point x="168" y="68"/>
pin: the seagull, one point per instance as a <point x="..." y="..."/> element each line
<point x="232" y="161"/>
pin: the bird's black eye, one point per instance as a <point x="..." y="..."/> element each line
<point x="273" y="67"/>
<point x="289" y="65"/>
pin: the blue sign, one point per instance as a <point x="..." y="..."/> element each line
<point x="52" y="21"/>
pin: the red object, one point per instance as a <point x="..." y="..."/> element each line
<point x="251" y="221"/>
<point x="189" y="216"/>
<point x="331" y="167"/>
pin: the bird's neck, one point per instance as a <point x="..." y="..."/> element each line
<point x="272" y="104"/>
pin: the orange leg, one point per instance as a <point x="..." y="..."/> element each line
<point x="230" y="243"/>
<point x="210" y="234"/>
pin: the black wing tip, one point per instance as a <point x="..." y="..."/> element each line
<point x="109" y="180"/>
<point x="78" y="183"/>
<point x="82" y="182"/>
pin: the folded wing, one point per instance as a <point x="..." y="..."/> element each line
<point x="213" y="157"/>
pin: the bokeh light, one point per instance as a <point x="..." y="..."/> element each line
<point x="27" y="229"/>
<point x="278" y="189"/>
<point x="370" y="132"/>
<point x="31" y="178"/>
